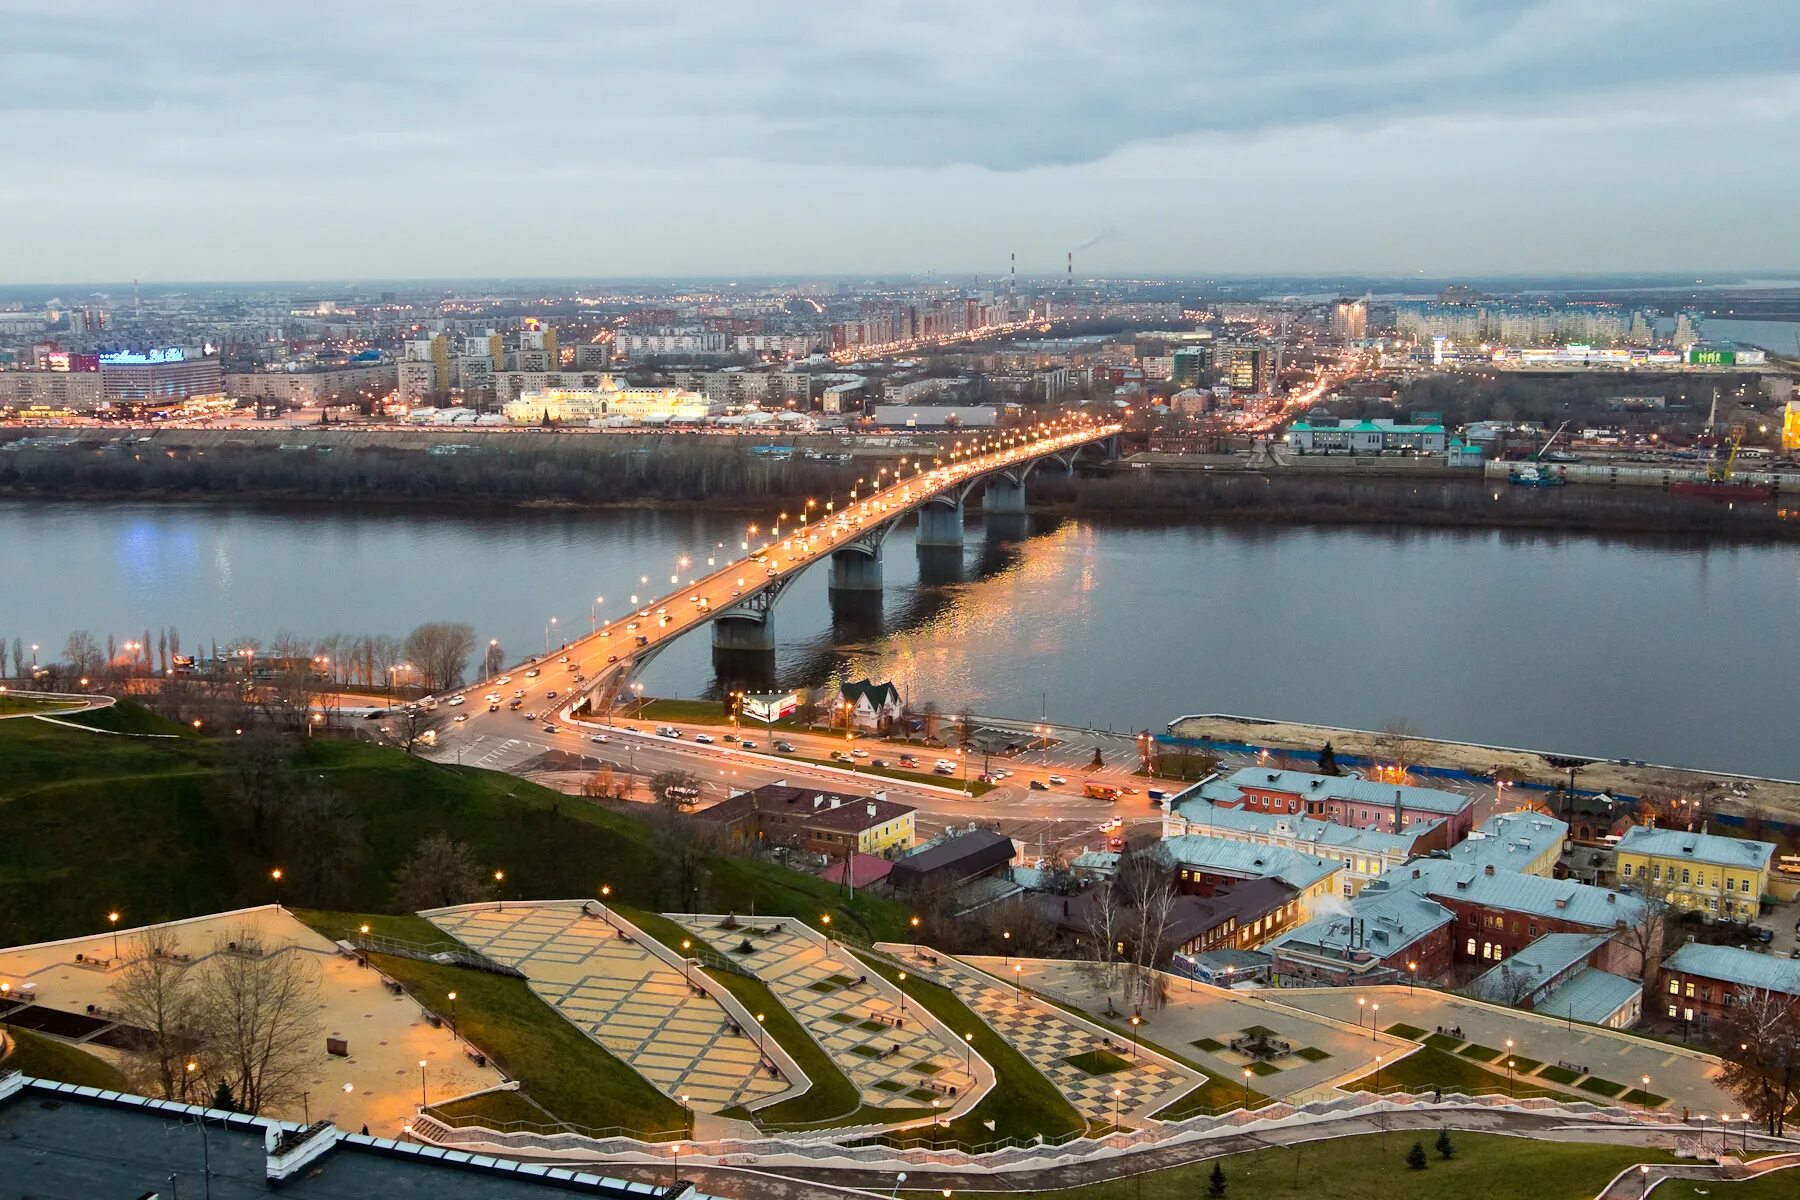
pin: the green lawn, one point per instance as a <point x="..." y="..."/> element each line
<point x="1098" y="1062"/>
<point x="1023" y="1102"/>
<point x="126" y="717"/>
<point x="13" y="702"/>
<point x="1411" y="1033"/>
<point x="1210" y="1045"/>
<point x="1559" y="1074"/>
<point x="558" y="1065"/>
<point x="1484" y="1053"/>
<point x="46" y="1058"/>
<point x="1313" y="1054"/>
<point x="1263" y="1068"/>
<point x="953" y="782"/>
<point x="1776" y="1185"/>
<point x="67" y="796"/>
<point x="1373" y="1167"/>
<point x="1218" y="1094"/>
<point x="1429" y="1067"/>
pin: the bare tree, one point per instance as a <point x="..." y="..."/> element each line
<point x="260" y="1013"/>
<point x="1399" y="744"/>
<point x="81" y="654"/>
<point x="1642" y="935"/>
<point x="441" y="872"/>
<point x="1760" y="1044"/>
<point x="158" y="1001"/>
<point x="321" y="842"/>
<point x="688" y="847"/>
<point x="406" y="727"/>
<point x="259" y="776"/>
<point x="439" y="651"/>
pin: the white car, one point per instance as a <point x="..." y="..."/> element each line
<point x="944" y="764"/>
<point x="455" y="700"/>
<point x="504" y="680"/>
<point x="705" y="739"/>
<point x="599" y="739"/>
<point x="492" y="697"/>
<point x="1059" y="781"/>
<point x="462" y="716"/>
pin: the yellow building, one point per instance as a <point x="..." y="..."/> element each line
<point x="1719" y="876"/>
<point x="609" y="404"/>
<point x="1790" y="426"/>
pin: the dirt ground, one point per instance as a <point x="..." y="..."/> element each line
<point x="1736" y="794"/>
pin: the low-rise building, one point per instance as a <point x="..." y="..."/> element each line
<point x="1700" y="872"/>
<point x="870" y="704"/>
<point x="1527" y="842"/>
<point x="1352" y="801"/>
<point x="1702" y="984"/>
<point x="609" y="403"/>
<point x="1378" y="436"/>
<point x="953" y="862"/>
<point x="834" y="824"/>
<point x="1366" y="854"/>
<point x="1243" y="918"/>
<point x="1557" y="975"/>
<point x="1203" y="866"/>
<point x="1381" y="936"/>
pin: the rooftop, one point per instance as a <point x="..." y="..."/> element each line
<point x="1244" y="858"/>
<point x="1534" y="895"/>
<point x="1510" y="841"/>
<point x="1327" y="836"/>
<point x="1390" y="921"/>
<point x="1550" y="956"/>
<point x="70" y="1141"/>
<point x="1351" y="788"/>
<point x="816" y="807"/>
<point x="1746" y="968"/>
<point x="1590" y="995"/>
<point x="1708" y="848"/>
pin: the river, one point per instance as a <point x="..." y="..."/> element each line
<point x="1668" y="651"/>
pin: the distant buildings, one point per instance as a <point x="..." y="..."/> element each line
<point x="1189" y="365"/>
<point x="608" y="403"/>
<point x="1350" y="320"/>
<point x="970" y="416"/>
<point x="1378" y="436"/>
<point x="1347" y="800"/>
<point x="1366" y="854"/>
<point x="424" y="370"/>
<point x="159" y="377"/>
<point x="1248" y="366"/>
<point x="1529" y="843"/>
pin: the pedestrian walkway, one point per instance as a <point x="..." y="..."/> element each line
<point x="625" y="998"/>
<point x="1106" y="1077"/>
<point x="893" y="1058"/>
<point x="1580" y="1058"/>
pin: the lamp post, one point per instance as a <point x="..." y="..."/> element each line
<point x="903" y="993"/>
<point x="1360" y="1009"/>
<point x="1019" y="976"/>
<point x="675" y="1167"/>
<point x="1374" y="1020"/>
<point x="1412" y="977"/>
<point x="1116" y="1094"/>
<point x="685" y="977"/>
<point x="1644" y="1089"/>
<point x="914" y="922"/>
<point x="421" y="1083"/>
<point x="548" y="626"/>
<point x="968" y="1055"/>
<point x="759" y="1034"/>
<point x="112" y="918"/>
<point x="1246" y="1088"/>
<point x="1005" y="947"/>
<point x="1135" y="1022"/>
<point x="1378" y="1074"/>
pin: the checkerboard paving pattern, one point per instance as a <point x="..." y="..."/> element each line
<point x="1048" y="1041"/>
<point x="894" y="1059"/>
<point x="626" y="999"/>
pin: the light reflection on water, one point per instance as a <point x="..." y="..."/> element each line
<point x="1655" y="650"/>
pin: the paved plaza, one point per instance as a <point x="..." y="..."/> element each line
<point x="1087" y="1065"/>
<point x="1201" y="1023"/>
<point x="625" y="998"/>
<point x="1689" y="1079"/>
<point x="377" y="1084"/>
<point x="894" y="1058"/>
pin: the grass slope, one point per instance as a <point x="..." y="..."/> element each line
<point x="1373" y="1167"/>
<point x="558" y="1065"/>
<point x="149" y="827"/>
<point x="46" y="1058"/>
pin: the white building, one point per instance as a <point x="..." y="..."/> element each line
<point x="607" y="403"/>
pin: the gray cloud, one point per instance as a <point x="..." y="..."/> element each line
<point x="931" y="117"/>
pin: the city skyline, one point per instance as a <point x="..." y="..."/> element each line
<point x="559" y="141"/>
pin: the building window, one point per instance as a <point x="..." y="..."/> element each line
<point x="1674" y="987"/>
<point x="1685" y="873"/>
<point x="1744" y="885"/>
<point x="1656" y="871"/>
<point x="1690" y="989"/>
<point x="1673" y="1011"/>
<point x="1471" y="947"/>
<point x="1626" y="872"/>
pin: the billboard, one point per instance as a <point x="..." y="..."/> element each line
<point x="770" y="706"/>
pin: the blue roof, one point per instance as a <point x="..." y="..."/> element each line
<point x="1248" y="859"/>
<point x="1320" y="837"/>
<point x="1511" y="840"/>
<point x="1746" y="968"/>
<point x="1590" y="995"/>
<point x="1535" y="965"/>
<point x="1390" y="922"/>
<point x="1352" y="788"/>
<point x="1534" y="895"/>
<point x="1708" y="848"/>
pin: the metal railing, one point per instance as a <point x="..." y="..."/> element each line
<point x="433" y="952"/>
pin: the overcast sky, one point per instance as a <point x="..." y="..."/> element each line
<point x="259" y="139"/>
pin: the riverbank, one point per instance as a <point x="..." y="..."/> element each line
<point x="1464" y="501"/>
<point x="1749" y="798"/>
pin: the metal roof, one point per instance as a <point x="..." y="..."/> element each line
<point x="1542" y="960"/>
<point x="1295" y="827"/>
<point x="1390" y="922"/>
<point x="1708" y="848"/>
<point x="1351" y="788"/>
<point x="1245" y="858"/>
<point x="1534" y="895"/>
<point x="1746" y="968"/>
<point x="1510" y="840"/>
<point x="1590" y="995"/>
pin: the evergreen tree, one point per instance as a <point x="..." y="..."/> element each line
<point x="222" y="1099"/>
<point x="1215" y="1183"/>
<point x="1328" y="760"/>
<point x="1445" y="1150"/>
<point x="1415" y="1158"/>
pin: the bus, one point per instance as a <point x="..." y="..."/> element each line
<point x="1789" y="864"/>
<point x="1101" y="791"/>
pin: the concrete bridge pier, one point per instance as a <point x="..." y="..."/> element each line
<point x="941" y="524"/>
<point x="854" y="570"/>
<point x="1006" y="527"/>
<point x="743" y="670"/>
<point x="740" y="633"/>
<point x="1003" y="495"/>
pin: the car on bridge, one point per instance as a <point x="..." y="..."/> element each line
<point x="705" y="739"/>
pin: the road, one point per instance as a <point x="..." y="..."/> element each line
<point x="484" y="729"/>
